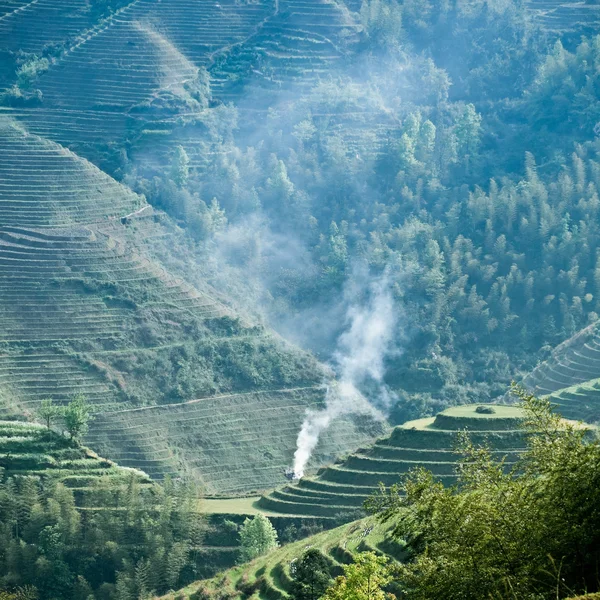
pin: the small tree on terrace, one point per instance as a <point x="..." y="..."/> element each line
<point x="180" y="170"/>
<point x="49" y="411"/>
<point x="311" y="576"/>
<point x="257" y="537"/>
<point x="77" y="417"/>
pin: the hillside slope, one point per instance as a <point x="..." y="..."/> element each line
<point x="340" y="490"/>
<point x="85" y="310"/>
<point x="269" y="576"/>
<point x="569" y="376"/>
<point x="29" y="449"/>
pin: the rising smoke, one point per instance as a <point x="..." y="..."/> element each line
<point x="359" y="362"/>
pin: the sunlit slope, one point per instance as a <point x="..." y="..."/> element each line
<point x="570" y="376"/>
<point x="269" y="577"/>
<point x="30" y="449"/>
<point x="568" y="18"/>
<point x="342" y="488"/>
<point x="305" y="42"/>
<point x="85" y="310"/>
<point x="30" y="26"/>
<point x="44" y="184"/>
<point x="232" y="442"/>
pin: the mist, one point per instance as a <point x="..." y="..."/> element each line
<point x="359" y="362"/>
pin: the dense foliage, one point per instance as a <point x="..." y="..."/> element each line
<point x="364" y="579"/>
<point x="458" y="155"/>
<point x="311" y="575"/>
<point x="531" y="532"/>
<point x="134" y="541"/>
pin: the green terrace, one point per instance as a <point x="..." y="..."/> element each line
<point x="570" y="376"/>
<point x="28" y="449"/>
<point x="339" y="491"/>
<point x="233" y="443"/>
<point x="270" y="576"/>
<point x="43" y="184"/>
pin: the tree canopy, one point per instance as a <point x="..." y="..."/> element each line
<point x="529" y="532"/>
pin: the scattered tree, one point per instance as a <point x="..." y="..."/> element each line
<point x="77" y="416"/>
<point x="180" y="169"/>
<point x="49" y="411"/>
<point x="257" y="537"/>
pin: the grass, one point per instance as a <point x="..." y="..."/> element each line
<point x="241" y="506"/>
<point x="269" y="576"/>
<point x="32" y="449"/>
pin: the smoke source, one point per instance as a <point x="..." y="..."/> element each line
<point x="359" y="363"/>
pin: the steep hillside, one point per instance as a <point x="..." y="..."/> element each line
<point x="29" y="449"/>
<point x="570" y="376"/>
<point x="85" y="310"/>
<point x="340" y="490"/>
<point x="568" y="19"/>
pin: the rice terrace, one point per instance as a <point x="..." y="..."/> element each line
<point x="299" y="299"/>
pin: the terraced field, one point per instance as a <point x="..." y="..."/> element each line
<point x="302" y="44"/>
<point x="84" y="309"/>
<point x="229" y="442"/>
<point x="42" y="184"/>
<point x="569" y="19"/>
<point x="128" y="57"/>
<point x="269" y="577"/>
<point x="569" y="376"/>
<point x="31" y="25"/>
<point x="31" y="449"/>
<point x="341" y="489"/>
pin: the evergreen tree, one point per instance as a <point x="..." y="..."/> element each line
<point x="311" y="576"/>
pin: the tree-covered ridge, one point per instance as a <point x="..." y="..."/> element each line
<point x="485" y="215"/>
<point x="74" y="525"/>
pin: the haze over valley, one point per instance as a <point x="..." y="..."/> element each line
<point x="258" y="257"/>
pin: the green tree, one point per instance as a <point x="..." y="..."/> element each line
<point x="257" y="537"/>
<point x="180" y="169"/>
<point x="49" y="411"/>
<point x="531" y="532"/>
<point x="311" y="576"/>
<point x="362" y="580"/>
<point x="77" y="416"/>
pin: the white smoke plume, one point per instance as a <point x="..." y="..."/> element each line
<point x="359" y="362"/>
